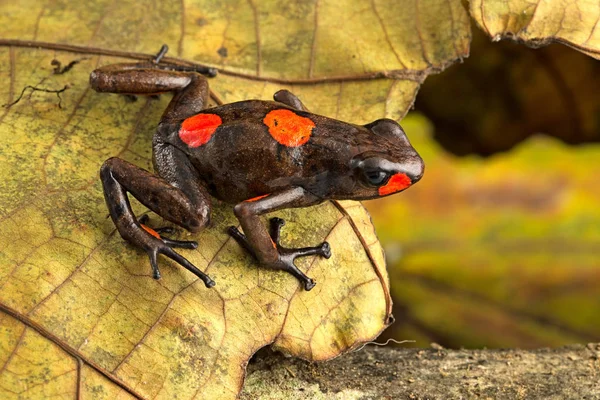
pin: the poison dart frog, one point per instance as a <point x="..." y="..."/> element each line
<point x="261" y="156"/>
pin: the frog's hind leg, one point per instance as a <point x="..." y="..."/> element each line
<point x="189" y="209"/>
<point x="190" y="88"/>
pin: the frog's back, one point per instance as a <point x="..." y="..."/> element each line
<point x="255" y="147"/>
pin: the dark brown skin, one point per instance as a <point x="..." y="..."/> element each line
<point x="262" y="156"/>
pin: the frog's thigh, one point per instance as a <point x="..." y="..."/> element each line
<point x="174" y="166"/>
<point x="191" y="88"/>
<point x="119" y="176"/>
<point x="189" y="100"/>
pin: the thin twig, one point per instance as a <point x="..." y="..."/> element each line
<point x="59" y="69"/>
<point x="37" y="89"/>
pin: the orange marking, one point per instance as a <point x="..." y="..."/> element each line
<point x="197" y="130"/>
<point x="396" y="183"/>
<point x="256" y="198"/>
<point x="151" y="231"/>
<point x="273" y="243"/>
<point x="288" y="128"/>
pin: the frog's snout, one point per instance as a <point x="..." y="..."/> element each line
<point x="414" y="169"/>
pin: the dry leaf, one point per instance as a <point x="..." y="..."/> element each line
<point x="81" y="312"/>
<point x="540" y="22"/>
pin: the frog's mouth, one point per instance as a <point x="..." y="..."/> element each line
<point x="397" y="182"/>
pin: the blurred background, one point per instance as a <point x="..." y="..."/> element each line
<point x="499" y="244"/>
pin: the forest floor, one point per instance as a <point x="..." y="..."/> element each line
<point x="571" y="372"/>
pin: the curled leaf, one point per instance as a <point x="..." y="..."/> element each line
<point x="538" y="23"/>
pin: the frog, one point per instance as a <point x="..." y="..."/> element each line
<point x="259" y="156"/>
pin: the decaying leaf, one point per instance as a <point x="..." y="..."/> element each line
<point x="86" y="298"/>
<point x="348" y="59"/>
<point x="540" y="22"/>
<point x="76" y="292"/>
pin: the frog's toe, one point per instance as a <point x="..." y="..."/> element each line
<point x="234" y="232"/>
<point x="155" y="245"/>
<point x="210" y="284"/>
<point x="182" y="244"/>
<point x="278" y="221"/>
<point x="239" y="237"/>
<point x="276" y="225"/>
<point x="325" y="250"/>
<point x="309" y="284"/>
<point x="165" y="229"/>
<point x="154" y="264"/>
<point x="158" y="233"/>
<point x="165" y="249"/>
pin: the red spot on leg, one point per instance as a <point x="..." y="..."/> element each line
<point x="396" y="183"/>
<point x="288" y="128"/>
<point x="150" y="231"/>
<point x="197" y="130"/>
<point x="256" y="198"/>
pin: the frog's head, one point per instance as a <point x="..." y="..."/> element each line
<point x="389" y="166"/>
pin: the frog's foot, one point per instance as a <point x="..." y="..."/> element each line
<point x="165" y="246"/>
<point x="164" y="49"/>
<point x="286" y="255"/>
<point x="160" y="247"/>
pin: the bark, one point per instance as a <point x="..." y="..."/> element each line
<point x="571" y="372"/>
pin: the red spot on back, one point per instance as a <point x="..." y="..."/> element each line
<point x="288" y="128"/>
<point x="197" y="130"/>
<point x="396" y="183"/>
<point x="256" y="198"/>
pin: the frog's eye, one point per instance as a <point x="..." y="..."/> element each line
<point x="376" y="176"/>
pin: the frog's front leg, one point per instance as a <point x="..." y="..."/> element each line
<point x="188" y="210"/>
<point x="264" y="246"/>
<point x="286" y="97"/>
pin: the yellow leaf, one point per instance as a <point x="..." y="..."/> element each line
<point x="81" y="312"/>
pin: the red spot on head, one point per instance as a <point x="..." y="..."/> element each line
<point x="256" y="198"/>
<point x="288" y="128"/>
<point x="396" y="183"/>
<point x="197" y="130"/>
